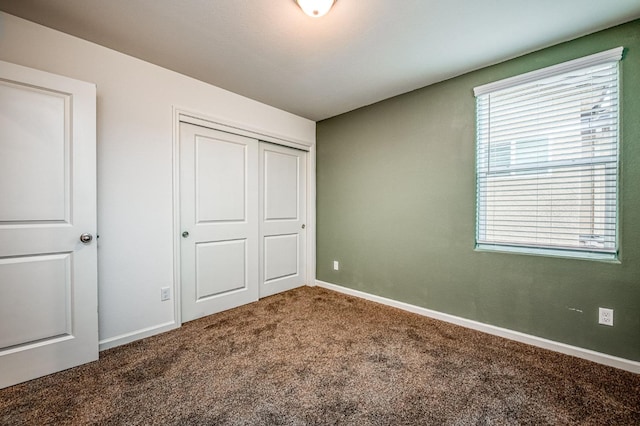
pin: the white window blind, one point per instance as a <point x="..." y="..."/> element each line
<point x="547" y="159"/>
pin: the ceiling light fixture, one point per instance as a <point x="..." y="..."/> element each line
<point x="315" y="8"/>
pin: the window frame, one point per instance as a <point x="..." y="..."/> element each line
<point x="511" y="167"/>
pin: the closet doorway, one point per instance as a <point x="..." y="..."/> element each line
<point x="242" y="207"/>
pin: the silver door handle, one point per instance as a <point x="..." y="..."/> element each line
<point x="185" y="234"/>
<point x="303" y="226"/>
<point x="86" y="238"/>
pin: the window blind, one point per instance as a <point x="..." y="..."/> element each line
<point x="547" y="159"/>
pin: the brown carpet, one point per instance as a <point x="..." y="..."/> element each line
<point x="312" y="356"/>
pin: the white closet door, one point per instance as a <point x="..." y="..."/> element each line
<point x="219" y="217"/>
<point x="282" y="218"/>
<point x="48" y="277"/>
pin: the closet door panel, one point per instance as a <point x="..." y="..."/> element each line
<point x="282" y="218"/>
<point x="219" y="220"/>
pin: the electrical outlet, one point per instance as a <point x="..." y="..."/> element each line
<point x="336" y="265"/>
<point x="165" y="293"/>
<point x="605" y="316"/>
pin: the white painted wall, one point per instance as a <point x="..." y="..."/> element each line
<point x="135" y="223"/>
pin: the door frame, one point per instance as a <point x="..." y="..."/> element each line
<point x="216" y="123"/>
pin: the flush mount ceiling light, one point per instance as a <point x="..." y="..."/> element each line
<point x="315" y="8"/>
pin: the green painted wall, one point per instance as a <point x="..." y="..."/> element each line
<point x="396" y="208"/>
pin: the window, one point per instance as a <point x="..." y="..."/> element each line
<point x="547" y="160"/>
<point x="514" y="156"/>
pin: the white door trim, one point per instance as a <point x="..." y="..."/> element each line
<point x="242" y="129"/>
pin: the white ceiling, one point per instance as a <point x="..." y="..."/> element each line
<point x="363" y="51"/>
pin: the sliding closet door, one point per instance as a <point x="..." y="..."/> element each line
<point x="219" y="218"/>
<point x="282" y="218"/>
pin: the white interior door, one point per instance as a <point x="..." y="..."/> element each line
<point x="282" y="218"/>
<point x="219" y="218"/>
<point x="48" y="277"/>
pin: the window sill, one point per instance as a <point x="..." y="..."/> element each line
<point x="565" y="254"/>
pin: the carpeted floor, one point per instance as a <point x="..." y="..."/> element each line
<point x="311" y="356"/>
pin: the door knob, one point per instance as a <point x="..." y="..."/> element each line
<point x="303" y="226"/>
<point x="86" y="238"/>
<point x="185" y="234"/>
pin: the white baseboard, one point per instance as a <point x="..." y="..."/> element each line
<point x="610" y="360"/>
<point x="112" y="342"/>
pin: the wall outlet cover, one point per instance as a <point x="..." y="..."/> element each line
<point x="336" y="265"/>
<point x="605" y="316"/>
<point x="165" y="293"/>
